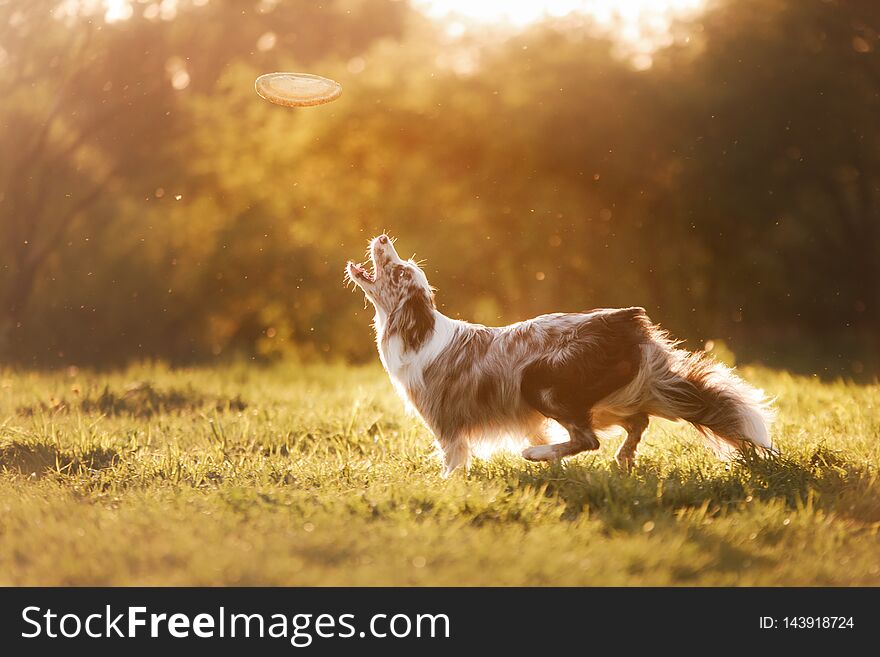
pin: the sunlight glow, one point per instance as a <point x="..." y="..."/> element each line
<point x="639" y="26"/>
<point x="122" y="10"/>
<point x="500" y="11"/>
<point x="118" y="10"/>
<point x="522" y="13"/>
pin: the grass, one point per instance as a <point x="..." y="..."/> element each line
<point x="315" y="476"/>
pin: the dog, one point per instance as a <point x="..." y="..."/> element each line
<point x="474" y="385"/>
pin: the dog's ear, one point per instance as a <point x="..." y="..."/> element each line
<point x="413" y="320"/>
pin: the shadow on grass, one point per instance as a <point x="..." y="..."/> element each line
<point x="824" y="480"/>
<point x="42" y="459"/>
<point x="140" y="400"/>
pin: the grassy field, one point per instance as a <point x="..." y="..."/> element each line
<point x="314" y="475"/>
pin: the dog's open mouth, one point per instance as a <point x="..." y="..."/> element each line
<point x="361" y="272"/>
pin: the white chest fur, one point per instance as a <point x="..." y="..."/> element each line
<point x="406" y="367"/>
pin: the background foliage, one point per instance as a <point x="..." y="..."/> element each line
<point x="151" y="205"/>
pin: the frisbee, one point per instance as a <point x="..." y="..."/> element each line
<point x="297" y="89"/>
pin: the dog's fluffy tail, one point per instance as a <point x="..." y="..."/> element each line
<point x="726" y="410"/>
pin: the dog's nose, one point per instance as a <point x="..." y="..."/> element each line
<point x="383" y="239"/>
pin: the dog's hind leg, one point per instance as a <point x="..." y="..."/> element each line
<point x="581" y="438"/>
<point x="635" y="427"/>
<point x="537" y="432"/>
<point x="567" y="388"/>
<point x="570" y="414"/>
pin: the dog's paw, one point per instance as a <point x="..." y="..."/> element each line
<point x="540" y="453"/>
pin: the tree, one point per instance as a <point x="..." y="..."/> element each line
<point x="93" y="118"/>
<point x="74" y="125"/>
<point x="783" y="162"/>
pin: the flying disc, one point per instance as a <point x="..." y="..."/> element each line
<point x="297" y="89"/>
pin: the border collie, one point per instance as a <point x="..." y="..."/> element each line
<point x="475" y="385"/>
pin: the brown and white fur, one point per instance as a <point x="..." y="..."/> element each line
<point x="473" y="384"/>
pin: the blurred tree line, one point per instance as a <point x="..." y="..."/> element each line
<point x="151" y="205"/>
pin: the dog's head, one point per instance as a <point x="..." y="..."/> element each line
<point x="398" y="289"/>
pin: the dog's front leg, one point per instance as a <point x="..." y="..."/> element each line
<point x="455" y="451"/>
